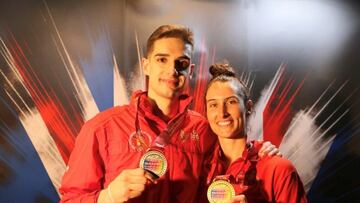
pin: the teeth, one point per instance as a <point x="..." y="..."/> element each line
<point x="224" y="123"/>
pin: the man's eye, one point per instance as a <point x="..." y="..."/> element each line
<point x="212" y="105"/>
<point x="181" y="64"/>
<point x="162" y="60"/>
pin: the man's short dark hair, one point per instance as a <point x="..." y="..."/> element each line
<point x="168" y="31"/>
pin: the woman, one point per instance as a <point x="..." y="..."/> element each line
<point x="267" y="179"/>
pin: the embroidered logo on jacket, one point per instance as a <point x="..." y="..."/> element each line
<point x="140" y="141"/>
<point x="194" y="136"/>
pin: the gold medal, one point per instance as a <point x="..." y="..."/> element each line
<point x="154" y="162"/>
<point x="220" y="191"/>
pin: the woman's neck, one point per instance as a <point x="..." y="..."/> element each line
<point x="232" y="148"/>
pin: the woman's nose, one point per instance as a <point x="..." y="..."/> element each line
<point x="223" y="111"/>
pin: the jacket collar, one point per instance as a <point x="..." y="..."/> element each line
<point x="140" y="100"/>
<point x="250" y="154"/>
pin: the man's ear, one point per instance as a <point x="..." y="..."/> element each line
<point x="191" y="70"/>
<point x="145" y="66"/>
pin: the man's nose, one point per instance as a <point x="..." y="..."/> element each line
<point x="172" y="69"/>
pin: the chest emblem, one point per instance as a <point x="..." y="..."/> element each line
<point x="193" y="135"/>
<point x="140" y="141"/>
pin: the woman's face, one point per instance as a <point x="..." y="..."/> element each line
<point x="224" y="110"/>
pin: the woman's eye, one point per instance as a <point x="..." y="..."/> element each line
<point x="233" y="101"/>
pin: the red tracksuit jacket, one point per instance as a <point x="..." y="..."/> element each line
<point x="268" y="179"/>
<point x="107" y="145"/>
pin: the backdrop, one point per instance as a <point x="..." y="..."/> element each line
<point x="62" y="62"/>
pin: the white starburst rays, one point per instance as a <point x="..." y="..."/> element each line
<point x="256" y="118"/>
<point x="32" y="122"/>
<point x="120" y="96"/>
<point x="83" y="94"/>
<point x="136" y="81"/>
<point x="30" y="117"/>
<point x="306" y="144"/>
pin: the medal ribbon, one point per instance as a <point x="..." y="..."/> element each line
<point x="163" y="138"/>
<point x="154" y="160"/>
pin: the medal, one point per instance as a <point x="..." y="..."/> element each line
<point x="220" y="191"/>
<point x="154" y="162"/>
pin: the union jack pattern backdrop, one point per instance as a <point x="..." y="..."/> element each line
<point x="63" y="62"/>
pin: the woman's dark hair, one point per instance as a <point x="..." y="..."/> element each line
<point x="223" y="72"/>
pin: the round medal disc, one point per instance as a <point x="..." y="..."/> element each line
<point x="220" y="191"/>
<point x="154" y="162"/>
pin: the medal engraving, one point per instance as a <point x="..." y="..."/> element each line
<point x="220" y="191"/>
<point x="154" y="162"/>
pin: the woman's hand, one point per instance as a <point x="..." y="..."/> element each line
<point x="238" y="199"/>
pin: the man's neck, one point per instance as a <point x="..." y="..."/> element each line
<point x="166" y="108"/>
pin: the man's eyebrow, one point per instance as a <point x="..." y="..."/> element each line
<point x="161" y="54"/>
<point x="183" y="57"/>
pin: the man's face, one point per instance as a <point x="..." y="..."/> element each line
<point x="167" y="67"/>
<point x="224" y="110"/>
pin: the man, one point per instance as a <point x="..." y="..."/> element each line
<point x="104" y="165"/>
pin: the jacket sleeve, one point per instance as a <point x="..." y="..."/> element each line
<point x="288" y="185"/>
<point x="83" y="178"/>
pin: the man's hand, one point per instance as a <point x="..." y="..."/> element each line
<point x="269" y="149"/>
<point x="130" y="183"/>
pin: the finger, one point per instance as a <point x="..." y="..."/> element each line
<point x="130" y="176"/>
<point x="136" y="187"/>
<point x="239" y="199"/>
<point x="273" y="152"/>
<point x="133" y="194"/>
<point x="136" y="171"/>
<point x="151" y="174"/>
<point x="136" y="179"/>
<point x="151" y="177"/>
<point x="269" y="150"/>
<point x="265" y="145"/>
<point x="266" y="150"/>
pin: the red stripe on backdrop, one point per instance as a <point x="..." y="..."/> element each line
<point x="201" y="81"/>
<point x="278" y="111"/>
<point x="62" y="125"/>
